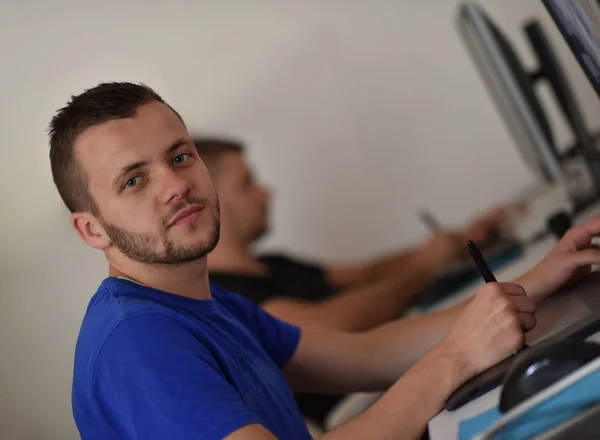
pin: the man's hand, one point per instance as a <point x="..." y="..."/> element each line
<point x="489" y="328"/>
<point x="491" y="223"/>
<point x="569" y="261"/>
<point x="441" y="249"/>
<point x="446" y="247"/>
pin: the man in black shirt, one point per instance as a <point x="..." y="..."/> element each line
<point x="352" y="297"/>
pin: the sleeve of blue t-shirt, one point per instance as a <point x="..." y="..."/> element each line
<point x="154" y="381"/>
<point x="278" y="338"/>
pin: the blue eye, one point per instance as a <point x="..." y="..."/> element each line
<point x="180" y="158"/>
<point x="132" y="182"/>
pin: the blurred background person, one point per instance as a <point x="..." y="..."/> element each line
<point x="350" y="297"/>
<point x="346" y="297"/>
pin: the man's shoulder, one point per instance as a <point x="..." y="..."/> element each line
<point x="113" y="305"/>
<point x="122" y="304"/>
<point x="115" y="301"/>
<point x="232" y="301"/>
<point x="124" y="328"/>
<point x="286" y="261"/>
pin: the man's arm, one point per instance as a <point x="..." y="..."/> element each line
<point x="402" y="413"/>
<point x="380" y="356"/>
<point x="356" y="308"/>
<point x="445" y="247"/>
<point x="366" y="306"/>
<point x="335" y="362"/>
<point x="378" y="291"/>
<point x="353" y="274"/>
<point x="440" y="250"/>
<point x="338" y="362"/>
<point x="488" y="330"/>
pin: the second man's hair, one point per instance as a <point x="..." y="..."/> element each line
<point x="212" y="150"/>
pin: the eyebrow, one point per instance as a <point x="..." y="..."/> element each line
<point x="135" y="165"/>
<point x="178" y="143"/>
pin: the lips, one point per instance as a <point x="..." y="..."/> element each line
<point x="187" y="215"/>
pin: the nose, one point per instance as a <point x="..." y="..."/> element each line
<point x="173" y="186"/>
<point x="266" y="192"/>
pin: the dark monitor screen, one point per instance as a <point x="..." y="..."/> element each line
<point x="523" y="79"/>
<point x="512" y="87"/>
<point x="579" y="23"/>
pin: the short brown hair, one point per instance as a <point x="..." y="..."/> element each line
<point x="212" y="150"/>
<point x="95" y="106"/>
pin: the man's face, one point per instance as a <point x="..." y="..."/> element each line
<point x="156" y="201"/>
<point x="244" y="202"/>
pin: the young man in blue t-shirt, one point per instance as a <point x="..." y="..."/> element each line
<point x="162" y="354"/>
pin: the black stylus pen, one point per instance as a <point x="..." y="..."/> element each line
<point x="484" y="269"/>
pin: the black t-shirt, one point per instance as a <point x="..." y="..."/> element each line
<point x="287" y="278"/>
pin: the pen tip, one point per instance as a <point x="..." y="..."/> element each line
<point x="470" y="244"/>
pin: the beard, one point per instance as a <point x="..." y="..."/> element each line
<point x="142" y="247"/>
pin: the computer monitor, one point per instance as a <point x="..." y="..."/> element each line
<point x="513" y="88"/>
<point x="579" y="23"/>
<point x="550" y="69"/>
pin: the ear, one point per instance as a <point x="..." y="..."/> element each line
<point x="90" y="230"/>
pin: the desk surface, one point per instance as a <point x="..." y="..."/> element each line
<point x="445" y="425"/>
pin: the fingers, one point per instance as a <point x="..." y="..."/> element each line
<point x="586" y="257"/>
<point x="492" y="326"/>
<point x="515" y="301"/>
<point x="509" y="293"/>
<point x="523" y="304"/>
<point x="527" y="321"/>
<point x="580" y="236"/>
<point x="517" y="324"/>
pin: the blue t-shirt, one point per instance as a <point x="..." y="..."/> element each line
<point x="152" y="365"/>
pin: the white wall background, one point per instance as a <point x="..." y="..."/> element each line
<point x="358" y="113"/>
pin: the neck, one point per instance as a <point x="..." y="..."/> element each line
<point x="188" y="279"/>
<point x="236" y="256"/>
